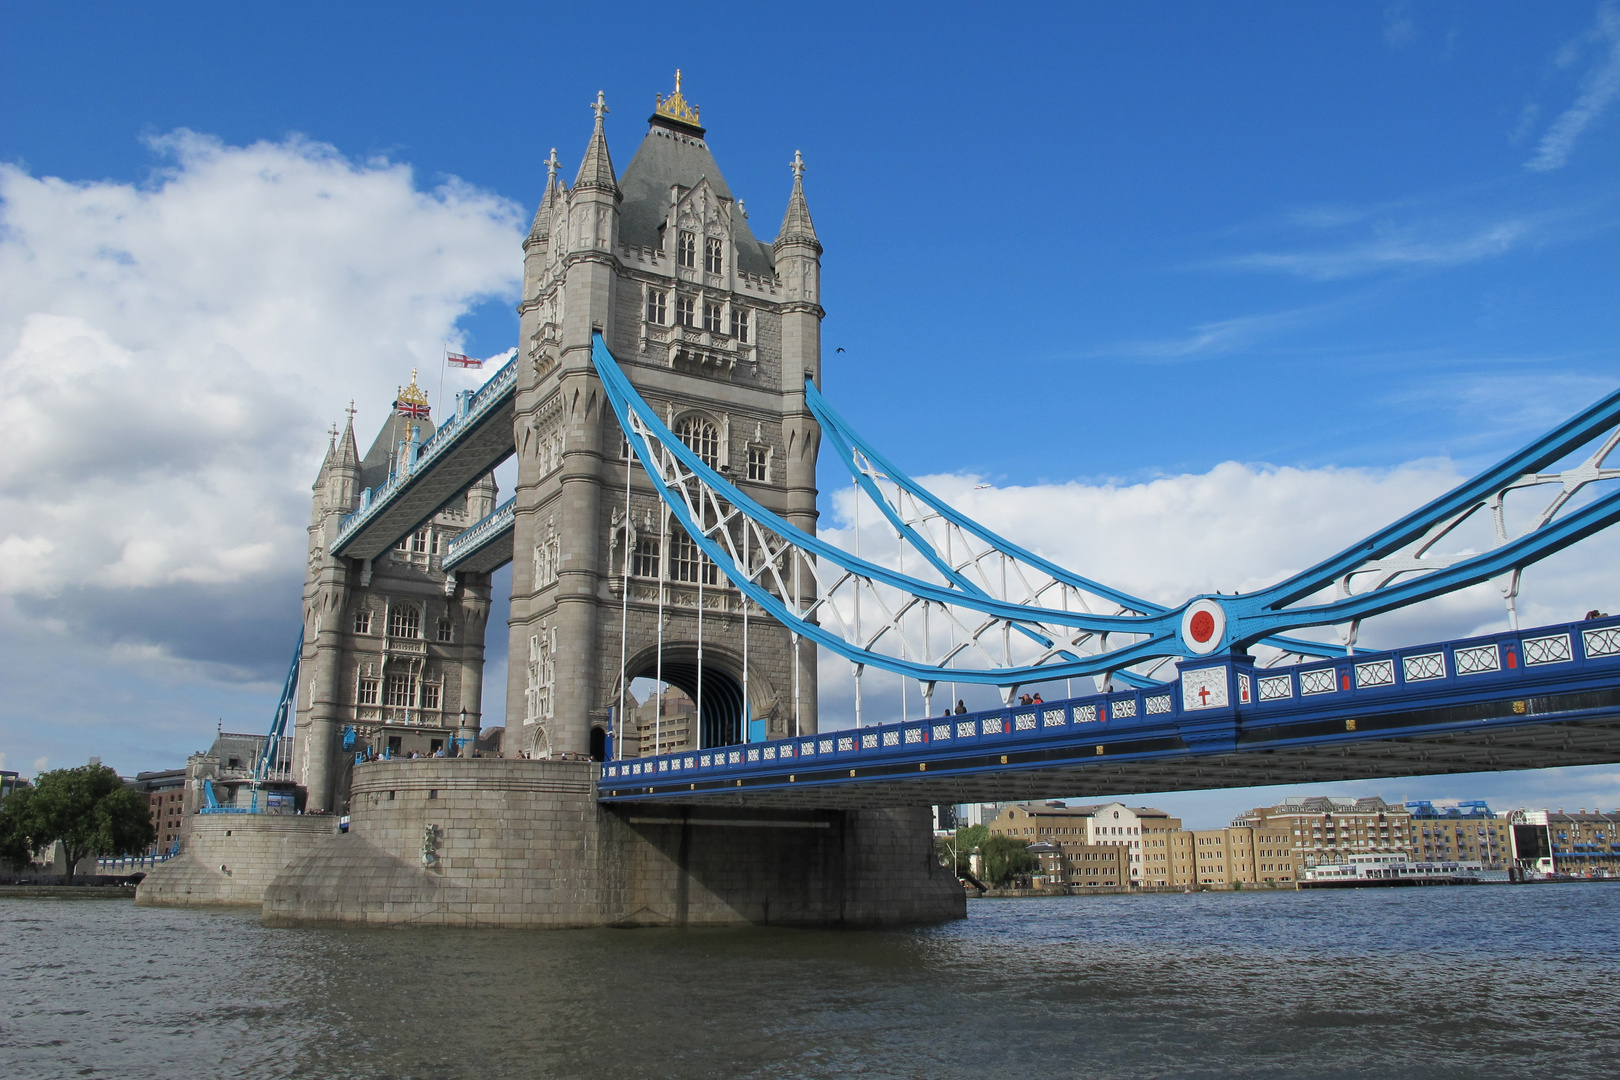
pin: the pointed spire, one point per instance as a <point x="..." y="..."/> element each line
<point x="796" y="224"/>
<point x="348" y="454"/>
<point x="326" y="462"/>
<point x="596" y="171"/>
<point x="541" y="229"/>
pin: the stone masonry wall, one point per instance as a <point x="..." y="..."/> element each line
<point x="504" y="842"/>
<point x="232" y="858"/>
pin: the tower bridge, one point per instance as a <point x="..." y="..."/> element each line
<point x="666" y="413"/>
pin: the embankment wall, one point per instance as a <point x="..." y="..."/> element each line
<point x="232" y="858"/>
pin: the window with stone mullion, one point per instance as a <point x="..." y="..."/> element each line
<point x="404" y="621"/>
<point x="644" y="560"/>
<point x="401" y="690"/>
<point x="702" y="438"/>
<point x="687" y="561"/>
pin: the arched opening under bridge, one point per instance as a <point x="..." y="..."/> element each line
<point x="708" y="697"/>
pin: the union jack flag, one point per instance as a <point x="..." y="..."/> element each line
<point x="411" y="409"/>
<point x="464" y="361"/>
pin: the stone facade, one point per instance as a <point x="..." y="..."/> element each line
<point x="232" y="858"/>
<point x="491" y="842"/>
<point x="393" y="648"/>
<point x="718" y="331"/>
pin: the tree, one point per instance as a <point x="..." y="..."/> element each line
<point x="1005" y="858"/>
<point x="959" y="846"/>
<point x="88" y="811"/>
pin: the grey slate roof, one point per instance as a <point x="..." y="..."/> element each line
<point x="664" y="158"/>
<point x="374" y="466"/>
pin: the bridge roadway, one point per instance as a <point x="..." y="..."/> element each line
<point x="472" y="441"/>
<point x="1522" y="700"/>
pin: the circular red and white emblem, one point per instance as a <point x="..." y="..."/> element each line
<point x="1203" y="625"/>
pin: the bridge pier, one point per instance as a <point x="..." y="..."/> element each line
<point x="517" y="843"/>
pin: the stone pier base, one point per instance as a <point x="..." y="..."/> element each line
<point x="498" y="842"/>
<point x="232" y="858"/>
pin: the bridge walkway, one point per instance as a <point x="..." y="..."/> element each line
<point x="473" y="440"/>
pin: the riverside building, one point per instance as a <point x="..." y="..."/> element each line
<point x="1323" y="830"/>
<point x="1582" y="844"/>
<point x="1465" y="832"/>
<point x="166" y="806"/>
<point x="662" y="724"/>
<point x="1143" y="836"/>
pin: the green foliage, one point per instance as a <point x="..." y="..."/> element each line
<point x="1005" y="858"/>
<point x="961" y="845"/>
<point x="88" y="811"/>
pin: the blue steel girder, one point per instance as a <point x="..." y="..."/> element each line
<point x="795" y="577"/>
<point x="1529" y="699"/>
<point x="473" y="441"/>
<point x="962" y="546"/>
<point x="1398" y="565"/>
<point x="792" y="575"/>
<point x="284" y="709"/>
<point x="485" y="545"/>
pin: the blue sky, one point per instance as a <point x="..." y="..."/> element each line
<point x="1084" y="244"/>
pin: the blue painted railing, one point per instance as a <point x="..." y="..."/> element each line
<point x="1470" y="670"/>
<point x="477" y="534"/>
<point x="471" y="408"/>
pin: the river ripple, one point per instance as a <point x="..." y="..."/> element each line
<point x="1432" y="983"/>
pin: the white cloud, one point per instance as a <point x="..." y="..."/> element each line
<point x="1599" y="88"/>
<point x="1393" y="249"/>
<point x="171" y="353"/>
<point x="1235" y="528"/>
<point x="1400" y="29"/>
<point x="1218" y="337"/>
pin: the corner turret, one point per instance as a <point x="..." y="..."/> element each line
<point x="537" y="245"/>
<point x="596" y="170"/>
<point x="343" y="483"/>
<point x="797" y="228"/>
<point x="798" y="266"/>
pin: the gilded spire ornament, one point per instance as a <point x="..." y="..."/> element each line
<point x="675" y="106"/>
<point x="412" y="400"/>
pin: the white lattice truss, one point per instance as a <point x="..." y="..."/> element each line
<point x="950" y="640"/>
<point x="1421" y="557"/>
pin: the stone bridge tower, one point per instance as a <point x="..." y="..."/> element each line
<point x="393" y="651"/>
<point x="718" y="331"/>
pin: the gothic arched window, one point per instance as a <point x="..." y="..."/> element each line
<point x="701" y="437"/>
<point x="687" y="561"/>
<point x="405" y="621"/>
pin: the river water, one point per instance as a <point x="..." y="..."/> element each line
<point x="1432" y="983"/>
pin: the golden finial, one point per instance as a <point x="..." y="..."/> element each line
<point x="675" y="107"/>
<point x="413" y="394"/>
